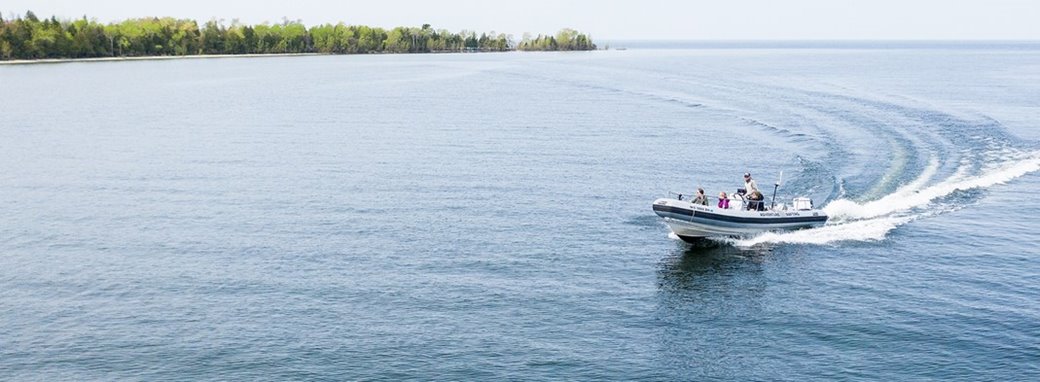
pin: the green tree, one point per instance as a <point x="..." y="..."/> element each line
<point x="235" y="40"/>
<point x="213" y="36"/>
<point x="397" y="41"/>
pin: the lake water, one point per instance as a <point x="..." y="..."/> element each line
<point x="487" y="216"/>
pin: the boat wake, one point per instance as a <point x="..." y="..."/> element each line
<point x="873" y="220"/>
<point x="888" y="160"/>
<point x="882" y="158"/>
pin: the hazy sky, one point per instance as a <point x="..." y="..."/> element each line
<point x="663" y="19"/>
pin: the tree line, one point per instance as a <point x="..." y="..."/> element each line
<point x="566" y="39"/>
<point x="30" y="37"/>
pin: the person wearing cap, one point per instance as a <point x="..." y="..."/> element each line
<point x="752" y="192"/>
<point x="749" y="184"/>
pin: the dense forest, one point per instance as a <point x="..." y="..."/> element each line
<point x="30" y="37"/>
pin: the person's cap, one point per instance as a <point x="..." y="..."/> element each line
<point x="747" y="174"/>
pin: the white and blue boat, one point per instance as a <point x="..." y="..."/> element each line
<point x="693" y="222"/>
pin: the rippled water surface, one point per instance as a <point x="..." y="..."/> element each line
<point x="487" y="216"/>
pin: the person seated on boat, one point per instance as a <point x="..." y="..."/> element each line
<point x="755" y="201"/>
<point x="723" y="200"/>
<point x="700" y="198"/>
<point x="755" y="196"/>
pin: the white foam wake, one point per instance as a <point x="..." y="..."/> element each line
<point x="873" y="220"/>
<point x="863" y="230"/>
<point x="914" y="195"/>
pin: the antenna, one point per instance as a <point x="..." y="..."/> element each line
<point x="776" y="186"/>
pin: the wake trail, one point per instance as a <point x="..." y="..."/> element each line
<point x="871" y="145"/>
<point x="907" y="198"/>
<point x="873" y="220"/>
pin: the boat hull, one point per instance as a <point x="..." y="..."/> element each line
<point x="692" y="222"/>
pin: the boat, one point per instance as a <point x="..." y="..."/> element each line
<point x="695" y="222"/>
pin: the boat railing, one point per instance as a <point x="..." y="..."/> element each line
<point x="744" y="202"/>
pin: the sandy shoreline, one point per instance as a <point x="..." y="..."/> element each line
<point x="143" y="58"/>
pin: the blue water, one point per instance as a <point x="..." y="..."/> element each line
<point x="487" y="216"/>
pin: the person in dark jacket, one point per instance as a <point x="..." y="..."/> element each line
<point x="755" y="196"/>
<point x="700" y="198"/>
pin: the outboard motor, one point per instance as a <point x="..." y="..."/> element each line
<point x="802" y="204"/>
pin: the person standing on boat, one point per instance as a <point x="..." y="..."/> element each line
<point x="700" y="198"/>
<point x="754" y="195"/>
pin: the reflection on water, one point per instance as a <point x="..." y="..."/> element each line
<point x="702" y="265"/>
<point x="698" y="278"/>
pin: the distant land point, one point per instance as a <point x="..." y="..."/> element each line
<point x="55" y="40"/>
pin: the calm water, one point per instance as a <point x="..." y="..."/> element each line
<point x="487" y="216"/>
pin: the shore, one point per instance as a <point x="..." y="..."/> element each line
<point x="247" y="55"/>
<point x="143" y="58"/>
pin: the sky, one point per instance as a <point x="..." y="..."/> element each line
<point x="609" y="19"/>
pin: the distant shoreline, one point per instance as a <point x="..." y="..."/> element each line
<point x="152" y="58"/>
<point x="818" y="44"/>
<point x="203" y="56"/>
<point x="245" y="55"/>
<point x="49" y="40"/>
